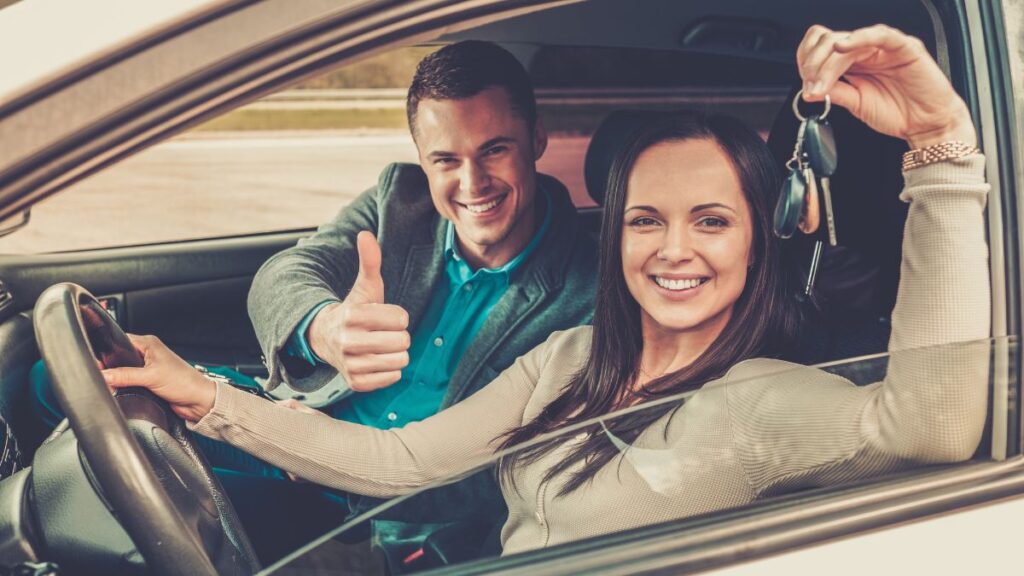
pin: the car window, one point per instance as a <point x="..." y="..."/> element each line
<point x="285" y="162"/>
<point x="291" y="160"/>
<point x="791" y="430"/>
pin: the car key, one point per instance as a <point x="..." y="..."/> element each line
<point x="812" y="273"/>
<point x="803" y="171"/>
<point x="791" y="200"/>
<point x="820" y="147"/>
<point x="812" y="190"/>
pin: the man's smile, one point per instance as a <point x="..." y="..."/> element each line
<point x="486" y="206"/>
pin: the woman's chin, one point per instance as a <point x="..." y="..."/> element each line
<point x="687" y="322"/>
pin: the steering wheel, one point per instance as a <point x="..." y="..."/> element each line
<point x="139" y="453"/>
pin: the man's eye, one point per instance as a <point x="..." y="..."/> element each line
<point x="444" y="161"/>
<point x="496" y="150"/>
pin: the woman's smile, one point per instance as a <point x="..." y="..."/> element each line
<point x="680" y="288"/>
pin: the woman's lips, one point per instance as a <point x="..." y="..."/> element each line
<point x="679" y="288"/>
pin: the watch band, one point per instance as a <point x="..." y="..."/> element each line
<point x="941" y="152"/>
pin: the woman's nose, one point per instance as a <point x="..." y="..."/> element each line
<point x="677" y="245"/>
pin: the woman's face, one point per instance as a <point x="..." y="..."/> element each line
<point x="686" y="238"/>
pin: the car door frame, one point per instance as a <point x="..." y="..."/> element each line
<point x="690" y="545"/>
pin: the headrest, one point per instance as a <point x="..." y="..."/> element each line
<point x="609" y="138"/>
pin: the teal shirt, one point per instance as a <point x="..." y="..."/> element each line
<point x="455" y="314"/>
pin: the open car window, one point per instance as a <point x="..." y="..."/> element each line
<point x="293" y="159"/>
<point x="692" y="471"/>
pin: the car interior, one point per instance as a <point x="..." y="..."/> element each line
<point x="631" y="58"/>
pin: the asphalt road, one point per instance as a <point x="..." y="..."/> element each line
<point x="209" y="185"/>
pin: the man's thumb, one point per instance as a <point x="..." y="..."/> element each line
<point x="369" y="282"/>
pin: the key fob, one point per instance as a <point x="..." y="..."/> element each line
<point x="820" y="147"/>
<point x="790" y="205"/>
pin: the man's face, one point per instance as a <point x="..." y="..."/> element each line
<point x="479" y="155"/>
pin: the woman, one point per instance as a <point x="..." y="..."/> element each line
<point x="690" y="294"/>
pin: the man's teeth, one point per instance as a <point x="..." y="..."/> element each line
<point x="481" y="208"/>
<point x="680" y="284"/>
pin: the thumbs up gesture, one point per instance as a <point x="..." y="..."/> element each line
<point x="366" y="340"/>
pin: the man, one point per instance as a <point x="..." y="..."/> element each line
<point x="433" y="282"/>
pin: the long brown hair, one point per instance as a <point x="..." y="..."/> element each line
<point x="763" y="321"/>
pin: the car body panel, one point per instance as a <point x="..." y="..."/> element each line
<point x="124" y="88"/>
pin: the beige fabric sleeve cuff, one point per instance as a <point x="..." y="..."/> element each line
<point x="948" y="176"/>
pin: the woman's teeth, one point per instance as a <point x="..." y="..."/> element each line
<point x="481" y="208"/>
<point x="679" y="284"/>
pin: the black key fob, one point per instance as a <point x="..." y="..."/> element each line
<point x="790" y="206"/>
<point x="820" y="147"/>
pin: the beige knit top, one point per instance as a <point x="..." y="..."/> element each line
<point x="765" y="428"/>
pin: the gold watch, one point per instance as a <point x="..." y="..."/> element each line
<point x="940" y="152"/>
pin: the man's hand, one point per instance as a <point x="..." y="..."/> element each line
<point x="190" y="394"/>
<point x="363" y="338"/>
<point x="889" y="81"/>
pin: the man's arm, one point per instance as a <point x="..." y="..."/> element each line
<point x="290" y="284"/>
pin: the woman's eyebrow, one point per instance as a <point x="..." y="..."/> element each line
<point x="709" y="205"/>
<point x="642" y="208"/>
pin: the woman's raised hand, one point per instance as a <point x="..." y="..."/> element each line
<point x="190" y="394"/>
<point x="888" y="80"/>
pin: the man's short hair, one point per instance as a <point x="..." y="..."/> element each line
<point x="465" y="69"/>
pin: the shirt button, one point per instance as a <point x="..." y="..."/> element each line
<point x="438" y="341"/>
<point x="392" y="416"/>
<point x="467" y="287"/>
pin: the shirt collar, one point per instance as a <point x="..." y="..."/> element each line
<point x="451" y="249"/>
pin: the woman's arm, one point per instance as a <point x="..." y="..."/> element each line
<point x="335" y="453"/>
<point x="802" y="427"/>
<point x="806" y="428"/>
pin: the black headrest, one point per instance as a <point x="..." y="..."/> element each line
<point x="863" y="272"/>
<point x="605" y="144"/>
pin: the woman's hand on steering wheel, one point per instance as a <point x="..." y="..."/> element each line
<point x="888" y="80"/>
<point x="190" y="394"/>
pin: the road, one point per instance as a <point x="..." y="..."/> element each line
<point x="207" y="185"/>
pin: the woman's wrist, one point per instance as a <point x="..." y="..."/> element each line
<point x="206" y="397"/>
<point x="959" y="130"/>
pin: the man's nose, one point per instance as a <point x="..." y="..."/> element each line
<point x="677" y="245"/>
<point x="473" y="178"/>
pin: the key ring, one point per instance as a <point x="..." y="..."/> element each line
<point x="801" y="117"/>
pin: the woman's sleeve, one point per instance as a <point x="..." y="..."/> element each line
<point x="373" y="462"/>
<point x="803" y="427"/>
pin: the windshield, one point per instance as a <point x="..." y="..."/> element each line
<point x="682" y="466"/>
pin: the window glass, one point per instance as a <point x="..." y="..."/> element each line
<point x="288" y="161"/>
<point x="293" y="159"/>
<point x="774" y="429"/>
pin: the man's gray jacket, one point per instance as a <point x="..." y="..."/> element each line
<point x="552" y="290"/>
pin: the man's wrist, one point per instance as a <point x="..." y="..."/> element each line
<point x="313" y="337"/>
<point x="298" y="348"/>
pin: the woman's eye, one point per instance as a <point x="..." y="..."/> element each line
<point x="713" y="222"/>
<point x="643" y="221"/>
